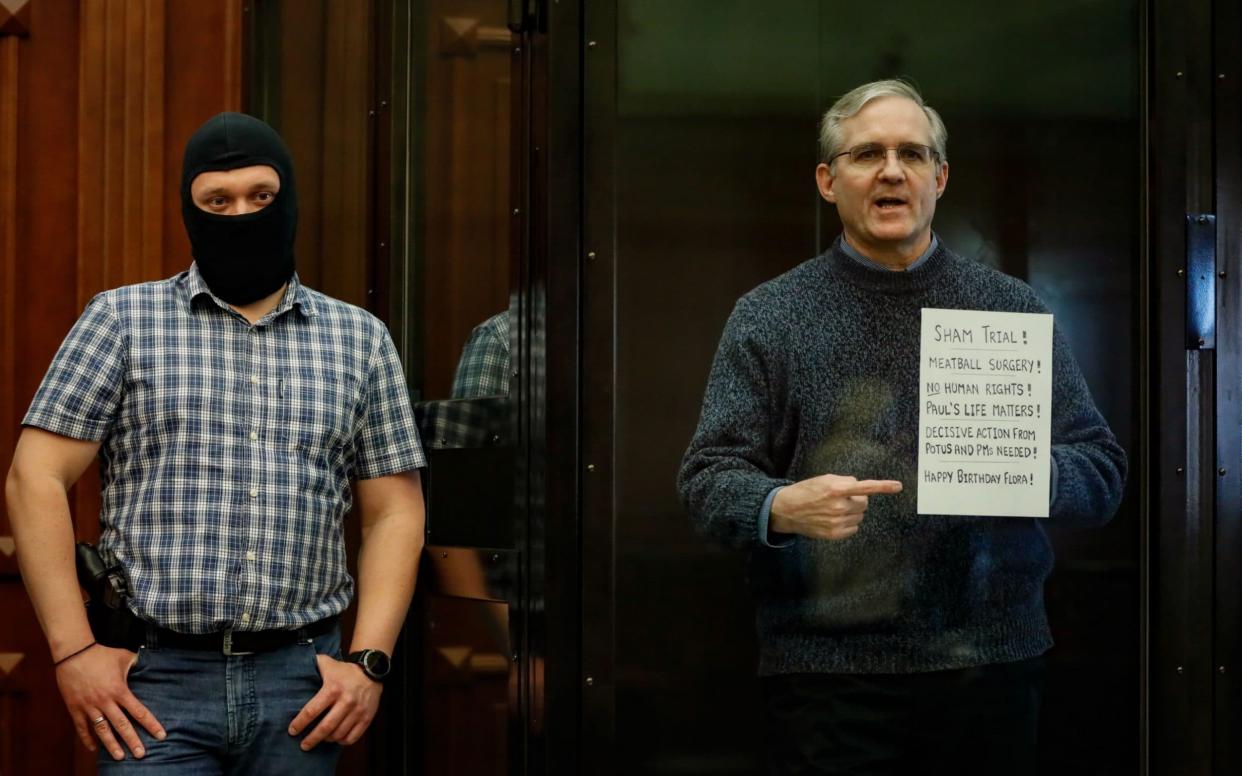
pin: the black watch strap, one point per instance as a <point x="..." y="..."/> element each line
<point x="374" y="663"/>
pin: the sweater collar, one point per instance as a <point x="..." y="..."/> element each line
<point x="854" y="254"/>
<point x="870" y="276"/>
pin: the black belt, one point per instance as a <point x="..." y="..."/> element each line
<point x="232" y="642"/>
<point x="120" y="628"/>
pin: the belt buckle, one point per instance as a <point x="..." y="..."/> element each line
<point x="228" y="644"/>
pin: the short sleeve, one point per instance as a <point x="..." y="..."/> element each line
<point x="483" y="369"/>
<point x="387" y="442"/>
<point x="81" y="393"/>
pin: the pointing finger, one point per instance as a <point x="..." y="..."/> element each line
<point x="869" y="488"/>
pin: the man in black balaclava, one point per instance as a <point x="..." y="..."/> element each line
<point x="242" y="256"/>
<point x="237" y="415"/>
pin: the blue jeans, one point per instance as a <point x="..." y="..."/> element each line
<point x="228" y="714"/>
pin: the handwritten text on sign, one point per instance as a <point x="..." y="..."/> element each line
<point x="985" y="399"/>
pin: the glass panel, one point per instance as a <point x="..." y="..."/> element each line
<point x="460" y="257"/>
<point x="467" y="682"/>
<point x="460" y="339"/>
<point x="716" y="149"/>
<point x="462" y="214"/>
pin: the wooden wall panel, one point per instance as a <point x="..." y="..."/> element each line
<point x="120" y="145"/>
<point x="95" y="107"/>
<point x="349" y="114"/>
<point x="38" y="82"/>
<point x="41" y="264"/>
<point x="203" y="79"/>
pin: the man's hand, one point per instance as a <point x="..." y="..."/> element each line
<point x="825" y="507"/>
<point x="349" y="697"/>
<point x="391" y="511"/>
<point x="94" y="685"/>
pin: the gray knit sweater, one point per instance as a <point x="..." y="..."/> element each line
<point x="817" y="372"/>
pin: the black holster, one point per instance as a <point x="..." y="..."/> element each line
<point x="111" y="622"/>
<point x="115" y="627"/>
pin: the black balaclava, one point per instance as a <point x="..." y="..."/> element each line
<point x="246" y="257"/>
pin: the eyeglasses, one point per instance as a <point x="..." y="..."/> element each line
<point x="912" y="156"/>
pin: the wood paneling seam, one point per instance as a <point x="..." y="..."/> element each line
<point x="9" y="89"/>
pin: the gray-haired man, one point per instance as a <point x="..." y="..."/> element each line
<point x="890" y="642"/>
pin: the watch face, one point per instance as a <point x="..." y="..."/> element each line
<point x="376" y="663"/>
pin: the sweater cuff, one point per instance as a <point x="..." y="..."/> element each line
<point x="765" y="513"/>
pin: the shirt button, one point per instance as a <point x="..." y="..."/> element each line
<point x="254" y="436"/>
<point x="250" y="555"/>
<point x="254" y="493"/>
<point x="245" y="616"/>
<point x="254" y="379"/>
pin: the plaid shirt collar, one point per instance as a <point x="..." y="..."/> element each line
<point x="191" y="287"/>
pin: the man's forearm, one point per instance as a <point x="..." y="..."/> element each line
<point x="387" y="569"/>
<point x="43" y="531"/>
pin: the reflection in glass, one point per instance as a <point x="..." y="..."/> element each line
<point x="483" y="369"/>
<point x="477" y="415"/>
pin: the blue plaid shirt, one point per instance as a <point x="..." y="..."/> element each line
<point x="483" y="369"/>
<point x="228" y="449"/>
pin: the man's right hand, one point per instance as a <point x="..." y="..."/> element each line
<point x="826" y="507"/>
<point x="94" y="685"/>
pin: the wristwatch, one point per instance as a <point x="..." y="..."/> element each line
<point x="376" y="664"/>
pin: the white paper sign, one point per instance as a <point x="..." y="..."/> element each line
<point x="985" y="402"/>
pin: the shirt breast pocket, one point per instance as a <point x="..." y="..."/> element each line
<point x="316" y="416"/>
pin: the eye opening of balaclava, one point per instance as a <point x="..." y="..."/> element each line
<point x="246" y="257"/>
